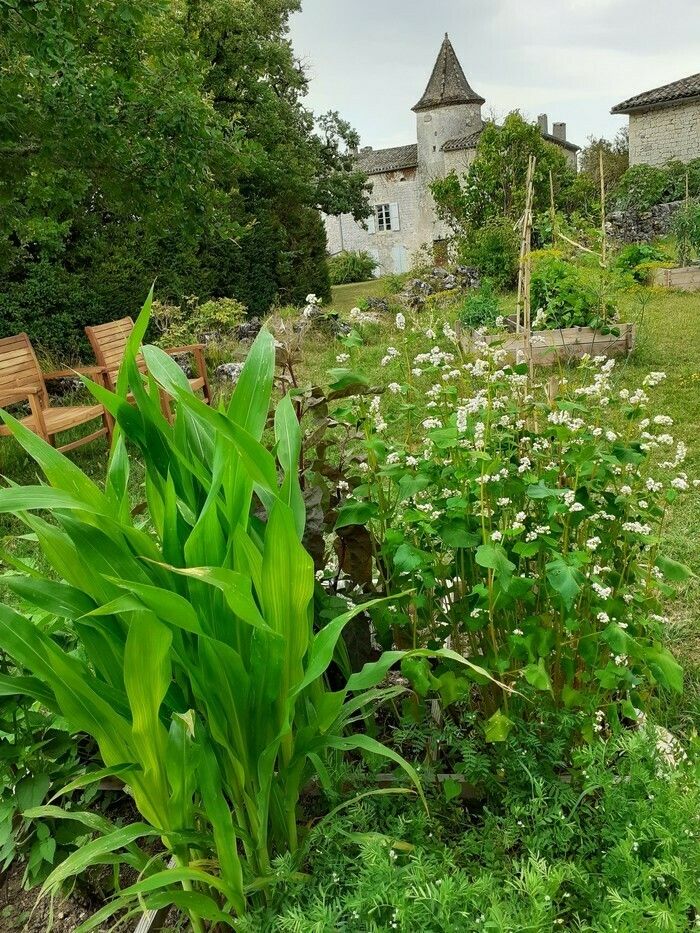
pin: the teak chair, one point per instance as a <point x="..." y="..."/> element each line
<point x="21" y="380"/>
<point x="108" y="342"/>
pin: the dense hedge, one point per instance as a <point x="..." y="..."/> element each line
<point x="643" y="186"/>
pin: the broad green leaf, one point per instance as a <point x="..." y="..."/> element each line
<point x="564" y="579"/>
<point x="494" y="557"/>
<point x="497" y="728"/>
<point x="673" y="570"/>
<point x="537" y="676"/>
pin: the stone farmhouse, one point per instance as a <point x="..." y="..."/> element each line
<point x="448" y="122"/>
<point x="664" y="123"/>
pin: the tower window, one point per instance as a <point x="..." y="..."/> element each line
<point x="383" y="216"/>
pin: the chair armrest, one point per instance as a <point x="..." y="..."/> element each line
<point x="20" y="394"/>
<point x="190" y="348"/>
<point x="78" y="371"/>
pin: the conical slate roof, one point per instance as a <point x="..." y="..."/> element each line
<point x="447" y="85"/>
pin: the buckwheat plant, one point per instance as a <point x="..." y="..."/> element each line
<point x="527" y="517"/>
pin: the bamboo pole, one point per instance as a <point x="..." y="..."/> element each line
<point x="519" y="310"/>
<point x="604" y="243"/>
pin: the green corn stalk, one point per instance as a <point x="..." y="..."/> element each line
<point x="199" y="672"/>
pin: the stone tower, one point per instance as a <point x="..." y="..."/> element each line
<point x="449" y="109"/>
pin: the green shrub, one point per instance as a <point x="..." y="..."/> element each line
<point x="566" y="295"/>
<point x="481" y="307"/>
<point x="213" y="321"/>
<point x="492" y="249"/>
<point x="643" y="186"/>
<point x="685" y="226"/>
<point x="634" y="260"/>
<point x="348" y="267"/>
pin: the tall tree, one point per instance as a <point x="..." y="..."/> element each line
<point x="158" y="138"/>
<point x="494" y="185"/>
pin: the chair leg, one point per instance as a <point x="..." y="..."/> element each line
<point x="108" y="422"/>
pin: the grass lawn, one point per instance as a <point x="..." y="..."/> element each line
<point x="347" y="297"/>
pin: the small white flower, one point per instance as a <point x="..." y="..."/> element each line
<point x="400" y="321"/>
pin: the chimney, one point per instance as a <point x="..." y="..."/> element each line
<point x="543" y="124"/>
<point x="559" y="131"/>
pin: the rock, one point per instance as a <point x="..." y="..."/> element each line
<point x="249" y="329"/>
<point x="229" y="372"/>
<point x="378" y="305"/>
<point x="631" y="226"/>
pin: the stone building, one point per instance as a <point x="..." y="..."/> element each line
<point x="448" y="124"/>
<point x="664" y="122"/>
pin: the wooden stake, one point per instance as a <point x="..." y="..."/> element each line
<point x="604" y="245"/>
<point x="552" y="208"/>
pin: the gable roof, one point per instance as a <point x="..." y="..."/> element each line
<point x="376" y="161"/>
<point x="684" y="89"/>
<point x="447" y="84"/>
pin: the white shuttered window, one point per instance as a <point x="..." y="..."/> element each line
<point x="387" y="218"/>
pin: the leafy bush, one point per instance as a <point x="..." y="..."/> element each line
<point x="567" y="295"/>
<point x="641" y="187"/>
<point x="634" y="260"/>
<point x="212" y="321"/>
<point x="348" y="267"/>
<point x="685" y="226"/>
<point x="492" y="249"/>
<point x="644" y="186"/>
<point x="528" y="528"/>
<point x="481" y="307"/>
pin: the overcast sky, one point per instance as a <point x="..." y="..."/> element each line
<point x="571" y="59"/>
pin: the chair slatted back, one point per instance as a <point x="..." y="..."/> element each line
<point x="19" y="367"/>
<point x="108" y="342"/>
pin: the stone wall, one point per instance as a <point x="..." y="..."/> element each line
<point x="394" y="250"/>
<point x="641" y="227"/>
<point x="656" y="136"/>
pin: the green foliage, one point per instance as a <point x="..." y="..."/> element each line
<point x="685" y="226"/>
<point x="348" y="267"/>
<point x="634" y="259"/>
<point x="192" y="322"/>
<point x="528" y="528"/>
<point x="174" y="143"/>
<point x="643" y="186"/>
<point x="604" y="839"/>
<point x="616" y="160"/>
<point x="198" y="667"/>
<point x="494" y="186"/>
<point x="565" y="294"/>
<point x="480" y="308"/>
<point x="38" y="757"/>
<point x="493" y="250"/>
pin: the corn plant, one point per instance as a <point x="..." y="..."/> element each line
<point x="197" y="670"/>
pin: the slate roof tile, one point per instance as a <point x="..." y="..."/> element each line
<point x="658" y="96"/>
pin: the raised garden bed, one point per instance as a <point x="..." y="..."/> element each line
<point x="684" y="278"/>
<point x="554" y="346"/>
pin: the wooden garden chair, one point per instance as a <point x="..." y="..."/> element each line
<point x="21" y="380"/>
<point x="108" y="342"/>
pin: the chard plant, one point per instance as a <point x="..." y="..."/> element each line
<point x="528" y="518"/>
<point x="179" y="634"/>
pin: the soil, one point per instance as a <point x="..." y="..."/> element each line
<point x="20" y="912"/>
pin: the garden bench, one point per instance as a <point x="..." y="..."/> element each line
<point x="108" y="342"/>
<point x="22" y="380"/>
